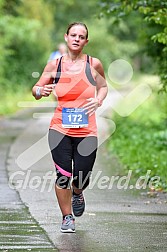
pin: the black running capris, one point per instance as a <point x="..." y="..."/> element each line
<point x="74" y="158"/>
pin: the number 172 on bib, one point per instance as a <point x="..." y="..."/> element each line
<point x="74" y="118"/>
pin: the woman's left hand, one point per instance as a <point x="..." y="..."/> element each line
<point x="91" y="106"/>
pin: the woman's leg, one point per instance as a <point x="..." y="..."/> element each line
<point x="64" y="200"/>
<point x="84" y="157"/>
<point x="61" y="149"/>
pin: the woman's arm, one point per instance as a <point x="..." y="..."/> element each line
<point x="101" y="87"/>
<point x="44" y="85"/>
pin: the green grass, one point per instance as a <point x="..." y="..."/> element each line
<point x="9" y="100"/>
<point x="140" y="140"/>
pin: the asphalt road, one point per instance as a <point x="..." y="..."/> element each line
<point x="116" y="218"/>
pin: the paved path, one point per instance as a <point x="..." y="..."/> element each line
<point x="19" y="231"/>
<point x="114" y="220"/>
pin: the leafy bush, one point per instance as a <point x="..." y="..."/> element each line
<point x="140" y="140"/>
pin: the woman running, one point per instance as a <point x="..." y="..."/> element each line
<point x="78" y="82"/>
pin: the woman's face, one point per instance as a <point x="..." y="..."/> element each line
<point x="76" y="38"/>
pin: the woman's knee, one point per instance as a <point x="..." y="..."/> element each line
<point x="63" y="181"/>
<point x="82" y="180"/>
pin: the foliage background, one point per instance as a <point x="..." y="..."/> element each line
<point x="30" y="30"/>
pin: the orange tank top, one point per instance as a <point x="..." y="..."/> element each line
<point x="72" y="91"/>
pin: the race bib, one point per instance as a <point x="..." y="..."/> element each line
<point x="74" y="118"/>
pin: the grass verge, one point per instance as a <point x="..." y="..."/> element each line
<point x="10" y="101"/>
<point x="140" y="140"/>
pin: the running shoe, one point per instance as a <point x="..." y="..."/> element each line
<point x="68" y="224"/>
<point x="78" y="204"/>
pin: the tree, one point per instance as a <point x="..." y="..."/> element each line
<point x="154" y="13"/>
<point x="25" y="28"/>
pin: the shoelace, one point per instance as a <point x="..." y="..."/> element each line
<point x="68" y="219"/>
<point x="78" y="199"/>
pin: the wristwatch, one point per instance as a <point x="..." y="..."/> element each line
<point x="38" y="91"/>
